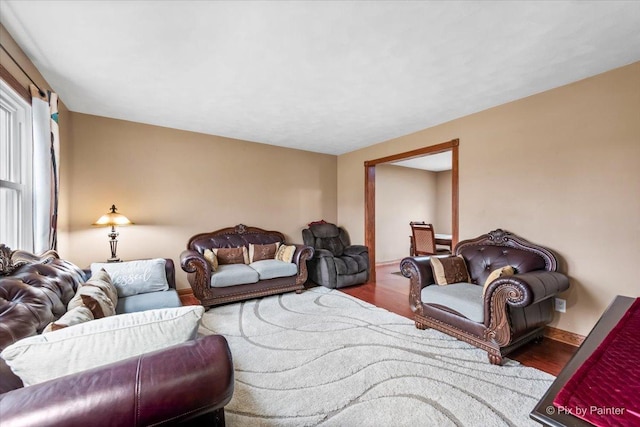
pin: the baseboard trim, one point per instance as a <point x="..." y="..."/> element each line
<point x="563" y="336"/>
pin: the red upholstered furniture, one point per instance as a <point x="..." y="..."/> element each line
<point x="601" y="383"/>
<point x="189" y="382"/>
<point x="513" y="310"/>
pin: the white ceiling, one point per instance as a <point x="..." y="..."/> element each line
<point x="432" y="162"/>
<point x="324" y="76"/>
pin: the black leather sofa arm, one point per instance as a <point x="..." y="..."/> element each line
<point x="302" y="254"/>
<point x="418" y="269"/>
<point x="184" y="383"/>
<point x="192" y="261"/>
<point x="530" y="288"/>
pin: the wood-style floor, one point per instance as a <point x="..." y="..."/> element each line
<point x="391" y="292"/>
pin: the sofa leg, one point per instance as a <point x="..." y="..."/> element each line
<point x="421" y="325"/>
<point x="299" y="291"/>
<point x="495" y="358"/>
<point x="213" y="419"/>
<point x="218" y="418"/>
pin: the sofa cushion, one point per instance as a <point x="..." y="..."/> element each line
<point x="447" y="270"/>
<point x="464" y="298"/>
<point x="103" y="281"/>
<point x="227" y="256"/>
<point x="211" y="258"/>
<point x="233" y="274"/>
<point x="285" y="253"/>
<point x="272" y="268"/>
<point x="260" y="252"/>
<point x="75" y="316"/>
<point x="100" y="342"/>
<point x="95" y="299"/>
<point x="135" y="277"/>
<point x="149" y="301"/>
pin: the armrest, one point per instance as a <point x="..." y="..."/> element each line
<point x="165" y="386"/>
<point x="300" y="257"/>
<point x="418" y="270"/>
<point x="519" y="290"/>
<point x="356" y="250"/>
<point x="199" y="270"/>
<point x="528" y="288"/>
<point x="322" y="253"/>
<point x="302" y="253"/>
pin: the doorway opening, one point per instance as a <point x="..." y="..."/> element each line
<point x="370" y="192"/>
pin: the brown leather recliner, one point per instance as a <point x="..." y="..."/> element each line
<point x="185" y="383"/>
<point x="514" y="309"/>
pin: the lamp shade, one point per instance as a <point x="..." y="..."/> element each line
<point x="113" y="218"/>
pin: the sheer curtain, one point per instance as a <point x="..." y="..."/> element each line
<point x="46" y="162"/>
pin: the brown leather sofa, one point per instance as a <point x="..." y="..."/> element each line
<point x="514" y="309"/>
<point x="188" y="383"/>
<point x="200" y="273"/>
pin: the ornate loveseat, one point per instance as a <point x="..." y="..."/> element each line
<point x="242" y="280"/>
<point x="497" y="315"/>
<point x="189" y="382"/>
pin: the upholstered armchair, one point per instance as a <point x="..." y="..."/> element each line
<point x="505" y="301"/>
<point x="336" y="263"/>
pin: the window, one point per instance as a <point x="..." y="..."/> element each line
<point x="16" y="192"/>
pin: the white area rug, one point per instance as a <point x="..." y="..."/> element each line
<point x="325" y="358"/>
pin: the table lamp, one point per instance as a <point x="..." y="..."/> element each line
<point x="112" y="219"/>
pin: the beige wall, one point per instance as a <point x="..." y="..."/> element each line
<point x="561" y="168"/>
<point x="402" y="195"/>
<point x="442" y="223"/>
<point x="174" y="184"/>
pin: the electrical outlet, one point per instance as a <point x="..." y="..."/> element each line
<point x="561" y="305"/>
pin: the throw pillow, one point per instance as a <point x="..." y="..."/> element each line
<point x="100" y="342"/>
<point x="72" y="317"/>
<point x="232" y="255"/>
<point x="260" y="252"/>
<point x="135" y="277"/>
<point x="498" y="272"/>
<point x="449" y="270"/>
<point x="285" y="253"/>
<point x="102" y="280"/>
<point x="95" y="299"/>
<point x="211" y="258"/>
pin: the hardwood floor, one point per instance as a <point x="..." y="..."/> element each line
<point x="391" y="292"/>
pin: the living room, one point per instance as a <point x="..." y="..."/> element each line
<point x="560" y="167"/>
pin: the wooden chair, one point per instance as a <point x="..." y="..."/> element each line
<point x="423" y="240"/>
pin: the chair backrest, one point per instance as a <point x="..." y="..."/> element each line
<point x="424" y="241"/>
<point x="326" y="236"/>
<point x="500" y="248"/>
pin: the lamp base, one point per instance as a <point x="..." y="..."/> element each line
<point x="114" y="260"/>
